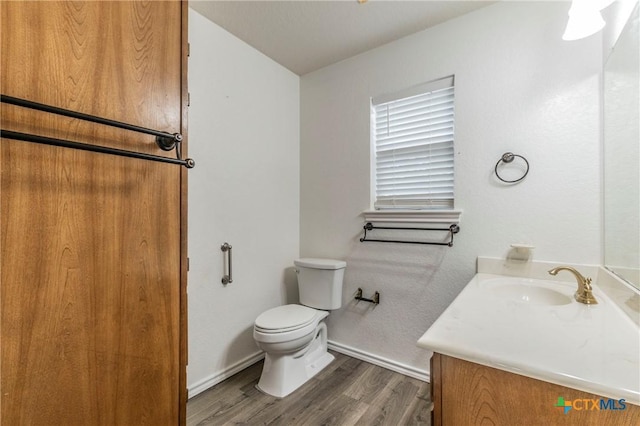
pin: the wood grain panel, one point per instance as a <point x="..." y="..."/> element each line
<point x="473" y="394"/>
<point x="436" y="389"/>
<point x="184" y="184"/>
<point x="91" y="244"/>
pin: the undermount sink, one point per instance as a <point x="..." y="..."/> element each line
<point x="534" y="292"/>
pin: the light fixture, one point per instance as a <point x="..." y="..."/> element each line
<point x="585" y="19"/>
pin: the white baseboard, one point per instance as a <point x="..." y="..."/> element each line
<point x="208" y="382"/>
<point x="204" y="384"/>
<point x="407" y="370"/>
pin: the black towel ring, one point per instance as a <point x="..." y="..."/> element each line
<point x="508" y="157"/>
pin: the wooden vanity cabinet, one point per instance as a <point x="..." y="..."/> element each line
<point x="465" y="393"/>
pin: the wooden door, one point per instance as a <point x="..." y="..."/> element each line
<point x="93" y="246"/>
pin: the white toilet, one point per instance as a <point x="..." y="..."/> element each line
<point x="294" y="337"/>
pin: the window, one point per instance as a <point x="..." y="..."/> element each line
<point x="412" y="135"/>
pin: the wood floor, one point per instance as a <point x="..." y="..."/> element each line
<point x="347" y="392"/>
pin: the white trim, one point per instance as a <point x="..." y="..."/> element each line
<point x="413" y="216"/>
<point x="407" y="370"/>
<point x="441" y="83"/>
<point x="214" y="379"/>
<point x="248" y="361"/>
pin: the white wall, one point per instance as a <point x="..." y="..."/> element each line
<point x="519" y="88"/>
<point x="616" y="16"/>
<point x="244" y="136"/>
<point x="622" y="155"/>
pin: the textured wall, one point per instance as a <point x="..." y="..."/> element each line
<point x="622" y="155"/>
<point x="519" y="88"/>
<point x="244" y="136"/>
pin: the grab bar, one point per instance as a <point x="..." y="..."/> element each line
<point x="453" y="229"/>
<point x="165" y="141"/>
<point x="228" y="278"/>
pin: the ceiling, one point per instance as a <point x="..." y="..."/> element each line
<point x="304" y="35"/>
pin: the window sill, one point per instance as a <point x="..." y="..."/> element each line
<point x="413" y="216"/>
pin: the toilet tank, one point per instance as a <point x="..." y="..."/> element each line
<point x="320" y="282"/>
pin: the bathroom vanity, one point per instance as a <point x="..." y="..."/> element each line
<point x="515" y="347"/>
<point x="467" y="393"/>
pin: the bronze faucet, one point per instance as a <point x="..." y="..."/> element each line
<point x="584" y="293"/>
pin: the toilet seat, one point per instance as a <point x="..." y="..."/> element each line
<point x="285" y="318"/>
<point x="286" y="323"/>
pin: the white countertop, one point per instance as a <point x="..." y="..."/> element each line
<point x="592" y="348"/>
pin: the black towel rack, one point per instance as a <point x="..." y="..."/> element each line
<point x="165" y="141"/>
<point x="453" y="229"/>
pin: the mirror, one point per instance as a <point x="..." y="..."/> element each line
<point x="622" y="156"/>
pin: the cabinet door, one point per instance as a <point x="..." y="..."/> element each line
<point x="472" y="394"/>
<point x="92" y="260"/>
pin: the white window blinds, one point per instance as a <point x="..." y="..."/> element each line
<point x="413" y="144"/>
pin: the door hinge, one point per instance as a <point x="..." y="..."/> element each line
<point x="188" y="264"/>
<point x="188" y="50"/>
<point x="188" y="99"/>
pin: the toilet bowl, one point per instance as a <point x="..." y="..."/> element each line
<point x="294" y="337"/>
<point x="295" y="350"/>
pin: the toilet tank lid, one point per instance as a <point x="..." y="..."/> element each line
<point x="320" y="263"/>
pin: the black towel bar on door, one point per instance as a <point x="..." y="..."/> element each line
<point x="453" y="229"/>
<point x="25" y="137"/>
<point x="165" y="141"/>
